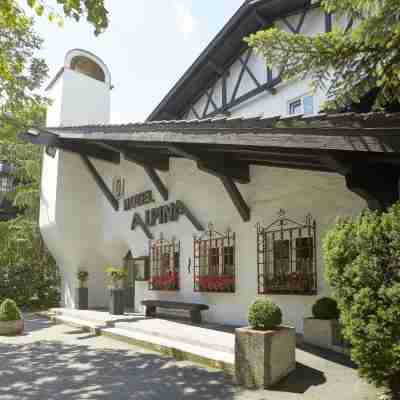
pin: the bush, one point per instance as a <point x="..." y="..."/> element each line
<point x="362" y="261"/>
<point x="9" y="311"/>
<point x="325" y="308"/>
<point x="264" y="315"/>
<point x="28" y="273"/>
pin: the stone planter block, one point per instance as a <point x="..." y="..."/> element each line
<point x="117" y="301"/>
<point x="11" y="327"/>
<point x="263" y="358"/>
<point x="323" y="333"/>
<point x="82" y="298"/>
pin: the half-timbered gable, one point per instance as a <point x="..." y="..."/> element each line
<point x="231" y="79"/>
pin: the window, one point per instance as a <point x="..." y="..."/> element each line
<point x="286" y="257"/>
<point x="88" y="67"/>
<point x="301" y="105"/>
<point x="214" y="262"/>
<point x="164" y="265"/>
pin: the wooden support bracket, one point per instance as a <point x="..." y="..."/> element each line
<point x="376" y="183"/>
<point x="100" y="183"/>
<point x="236" y="197"/>
<point x="157" y="182"/>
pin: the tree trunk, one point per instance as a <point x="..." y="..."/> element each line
<point x="394" y="386"/>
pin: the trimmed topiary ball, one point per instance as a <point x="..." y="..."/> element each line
<point x="9" y="311"/>
<point x="264" y="315"/>
<point x="325" y="308"/>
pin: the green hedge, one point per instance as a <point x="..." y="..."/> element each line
<point x="28" y="273"/>
<point x="362" y="261"/>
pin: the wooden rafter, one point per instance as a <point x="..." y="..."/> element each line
<point x="236" y="197"/>
<point x="227" y="171"/>
<point x="377" y="184"/>
<point x="100" y="183"/>
<point x="141" y="158"/>
<point x="157" y="182"/>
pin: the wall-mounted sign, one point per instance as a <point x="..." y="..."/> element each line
<point x="118" y="187"/>
<point x="138" y="200"/>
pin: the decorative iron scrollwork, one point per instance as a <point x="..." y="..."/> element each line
<point x="286" y="256"/>
<point x="164" y="264"/>
<point x="214" y="261"/>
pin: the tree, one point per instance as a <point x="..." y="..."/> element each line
<point x="94" y="11"/>
<point x="362" y="267"/>
<point x="28" y="273"/>
<point x="351" y="64"/>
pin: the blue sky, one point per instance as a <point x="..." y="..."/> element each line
<point x="148" y="46"/>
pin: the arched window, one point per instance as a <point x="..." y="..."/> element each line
<point x="86" y="66"/>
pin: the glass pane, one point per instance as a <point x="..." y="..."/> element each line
<point x="308" y="105"/>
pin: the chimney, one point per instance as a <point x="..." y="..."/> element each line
<point x="80" y="92"/>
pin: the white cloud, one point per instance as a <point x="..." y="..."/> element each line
<point x="184" y="18"/>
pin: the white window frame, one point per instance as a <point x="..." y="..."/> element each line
<point x="301" y="98"/>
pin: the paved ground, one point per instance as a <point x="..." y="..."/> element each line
<point x="59" y="362"/>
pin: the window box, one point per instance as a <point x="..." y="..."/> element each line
<point x="286" y="257"/>
<point x="214" y="262"/>
<point x="164" y="265"/>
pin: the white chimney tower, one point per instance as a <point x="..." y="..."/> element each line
<point x="80" y="91"/>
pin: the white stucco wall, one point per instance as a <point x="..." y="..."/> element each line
<point x="91" y="234"/>
<point x="78" y="100"/>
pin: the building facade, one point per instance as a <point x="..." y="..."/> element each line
<point x="226" y="192"/>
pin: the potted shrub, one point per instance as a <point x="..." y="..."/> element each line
<point x="82" y="294"/>
<point x="265" y="350"/>
<point x="323" y="329"/>
<point x="11" y="322"/>
<point x="117" y="292"/>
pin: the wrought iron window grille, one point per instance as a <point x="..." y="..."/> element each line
<point x="214" y="262"/>
<point x="286" y="256"/>
<point x="164" y="264"/>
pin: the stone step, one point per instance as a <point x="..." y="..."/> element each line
<point x="185" y="333"/>
<point x="181" y="350"/>
<point x="98" y="317"/>
<point x="79" y="323"/>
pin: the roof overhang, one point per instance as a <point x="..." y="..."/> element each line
<point x="364" y="148"/>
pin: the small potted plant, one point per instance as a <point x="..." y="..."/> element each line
<point x="323" y="329"/>
<point x="265" y="350"/>
<point x="11" y="322"/>
<point x="116" y="277"/>
<point x="82" y="294"/>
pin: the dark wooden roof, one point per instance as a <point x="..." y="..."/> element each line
<point x="299" y="141"/>
<point x="252" y="16"/>
<point x="364" y="148"/>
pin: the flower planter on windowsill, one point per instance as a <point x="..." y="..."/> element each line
<point x="215" y="284"/>
<point x="263" y="358"/>
<point x="167" y="283"/>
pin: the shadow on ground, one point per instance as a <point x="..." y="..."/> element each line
<point x="59" y="362"/>
<point x="54" y="370"/>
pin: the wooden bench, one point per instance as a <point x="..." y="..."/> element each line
<point x="193" y="308"/>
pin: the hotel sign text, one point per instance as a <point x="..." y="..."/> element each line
<point x="158" y="215"/>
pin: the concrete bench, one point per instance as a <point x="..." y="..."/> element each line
<point x="193" y="308"/>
